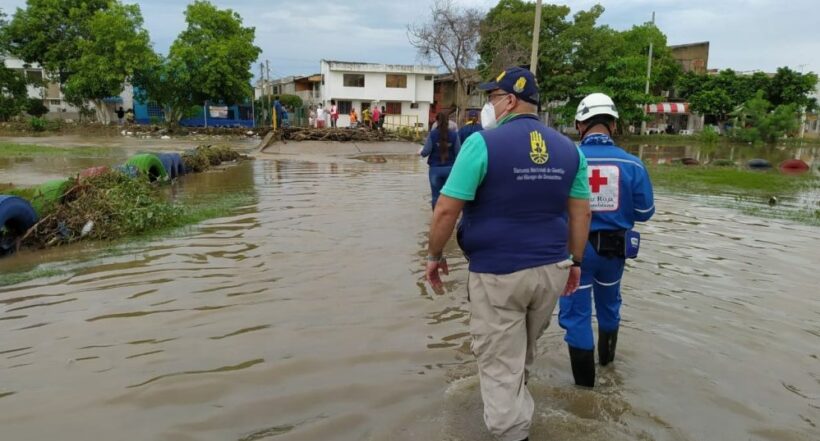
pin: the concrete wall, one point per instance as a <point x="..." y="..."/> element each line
<point x="692" y="57"/>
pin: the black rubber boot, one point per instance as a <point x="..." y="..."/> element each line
<point x="606" y="346"/>
<point x="583" y="366"/>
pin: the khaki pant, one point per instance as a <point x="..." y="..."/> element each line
<point x="508" y="314"/>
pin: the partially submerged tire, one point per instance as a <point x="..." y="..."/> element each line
<point x="173" y="164"/>
<point x="149" y="166"/>
<point x="49" y="194"/>
<point x="16" y="217"/>
<point x="759" y="164"/>
<point x="794" y="166"/>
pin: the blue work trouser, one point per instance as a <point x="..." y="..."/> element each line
<point x="600" y="276"/>
<point x="438" y="177"/>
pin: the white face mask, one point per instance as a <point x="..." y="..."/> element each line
<point x="488" y="118"/>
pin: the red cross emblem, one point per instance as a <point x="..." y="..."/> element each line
<point x="596" y="180"/>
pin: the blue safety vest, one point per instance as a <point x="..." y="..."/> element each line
<point x="518" y="219"/>
<point x="620" y="186"/>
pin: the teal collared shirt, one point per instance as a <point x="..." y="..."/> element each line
<point x="470" y="169"/>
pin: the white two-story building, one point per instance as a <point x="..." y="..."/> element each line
<point x="406" y="91"/>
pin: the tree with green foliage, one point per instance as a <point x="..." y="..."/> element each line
<point x="577" y="56"/>
<point x="210" y="61"/>
<point x="50" y="32"/>
<point x="13" y="91"/>
<point x="756" y="122"/>
<point x="622" y="75"/>
<point x="722" y="94"/>
<point x="790" y="87"/>
<point x="116" y="46"/>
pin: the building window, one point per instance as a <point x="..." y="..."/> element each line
<point x="414" y="105"/>
<point x="428" y="78"/>
<point x="393" y="108"/>
<point x="344" y="107"/>
<point x="396" y="81"/>
<point x="34" y="76"/>
<point x="353" y="80"/>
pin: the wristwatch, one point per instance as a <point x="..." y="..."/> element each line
<point x="576" y="263"/>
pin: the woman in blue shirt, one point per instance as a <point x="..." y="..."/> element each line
<point x="441" y="149"/>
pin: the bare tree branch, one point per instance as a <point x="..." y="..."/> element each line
<point x="451" y="36"/>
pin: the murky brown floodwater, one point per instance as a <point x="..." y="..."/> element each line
<point x="301" y="317"/>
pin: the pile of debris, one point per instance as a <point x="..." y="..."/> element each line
<point x="103" y="207"/>
<point x="102" y="203"/>
<point x="345" y="134"/>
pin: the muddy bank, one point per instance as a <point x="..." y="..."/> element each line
<point x="63" y="128"/>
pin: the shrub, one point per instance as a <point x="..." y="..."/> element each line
<point x="36" y="108"/>
<point x="37" y="124"/>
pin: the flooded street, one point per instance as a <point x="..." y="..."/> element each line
<point x="302" y="317"/>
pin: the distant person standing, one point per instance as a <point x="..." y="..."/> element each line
<point x="354" y="118"/>
<point x="277" y="106"/>
<point x="621" y="195"/>
<point x="376" y="117"/>
<point x="334" y="113"/>
<point x="441" y="149"/>
<point x="120" y="114"/>
<point x="367" y="116"/>
<point x="472" y="125"/>
<point x="312" y="117"/>
<point x="320" y="116"/>
<point x="129" y="116"/>
<point x="382" y="116"/>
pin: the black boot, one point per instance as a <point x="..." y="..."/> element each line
<point x="583" y="366"/>
<point x="606" y="346"/>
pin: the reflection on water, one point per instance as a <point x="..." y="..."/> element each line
<point x="302" y="317"/>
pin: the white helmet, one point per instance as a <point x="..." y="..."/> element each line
<point x="595" y="104"/>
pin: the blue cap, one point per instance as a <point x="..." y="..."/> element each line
<point x="517" y="81"/>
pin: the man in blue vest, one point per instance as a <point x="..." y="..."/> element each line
<point x="621" y="195"/>
<point x="472" y="126"/>
<point x="523" y="193"/>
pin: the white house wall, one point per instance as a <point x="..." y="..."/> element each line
<point x="419" y="90"/>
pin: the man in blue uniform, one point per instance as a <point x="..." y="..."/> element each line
<point x="621" y="195"/>
<point x="472" y="126"/>
<point x="524" y="193"/>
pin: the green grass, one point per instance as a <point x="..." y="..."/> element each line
<point x="722" y="180"/>
<point x="750" y="190"/>
<point x="14" y="150"/>
<point x="697" y="139"/>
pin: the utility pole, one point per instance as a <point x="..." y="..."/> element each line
<point x="267" y="84"/>
<point x="648" y="75"/>
<point x="535" y="34"/>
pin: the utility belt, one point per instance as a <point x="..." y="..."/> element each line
<point x="622" y="244"/>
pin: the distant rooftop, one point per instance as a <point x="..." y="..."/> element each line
<point x="356" y="66"/>
<point x="676" y="46"/>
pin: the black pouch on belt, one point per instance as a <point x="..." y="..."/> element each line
<point x="608" y="243"/>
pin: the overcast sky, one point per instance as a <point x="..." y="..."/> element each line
<point x="295" y="34"/>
